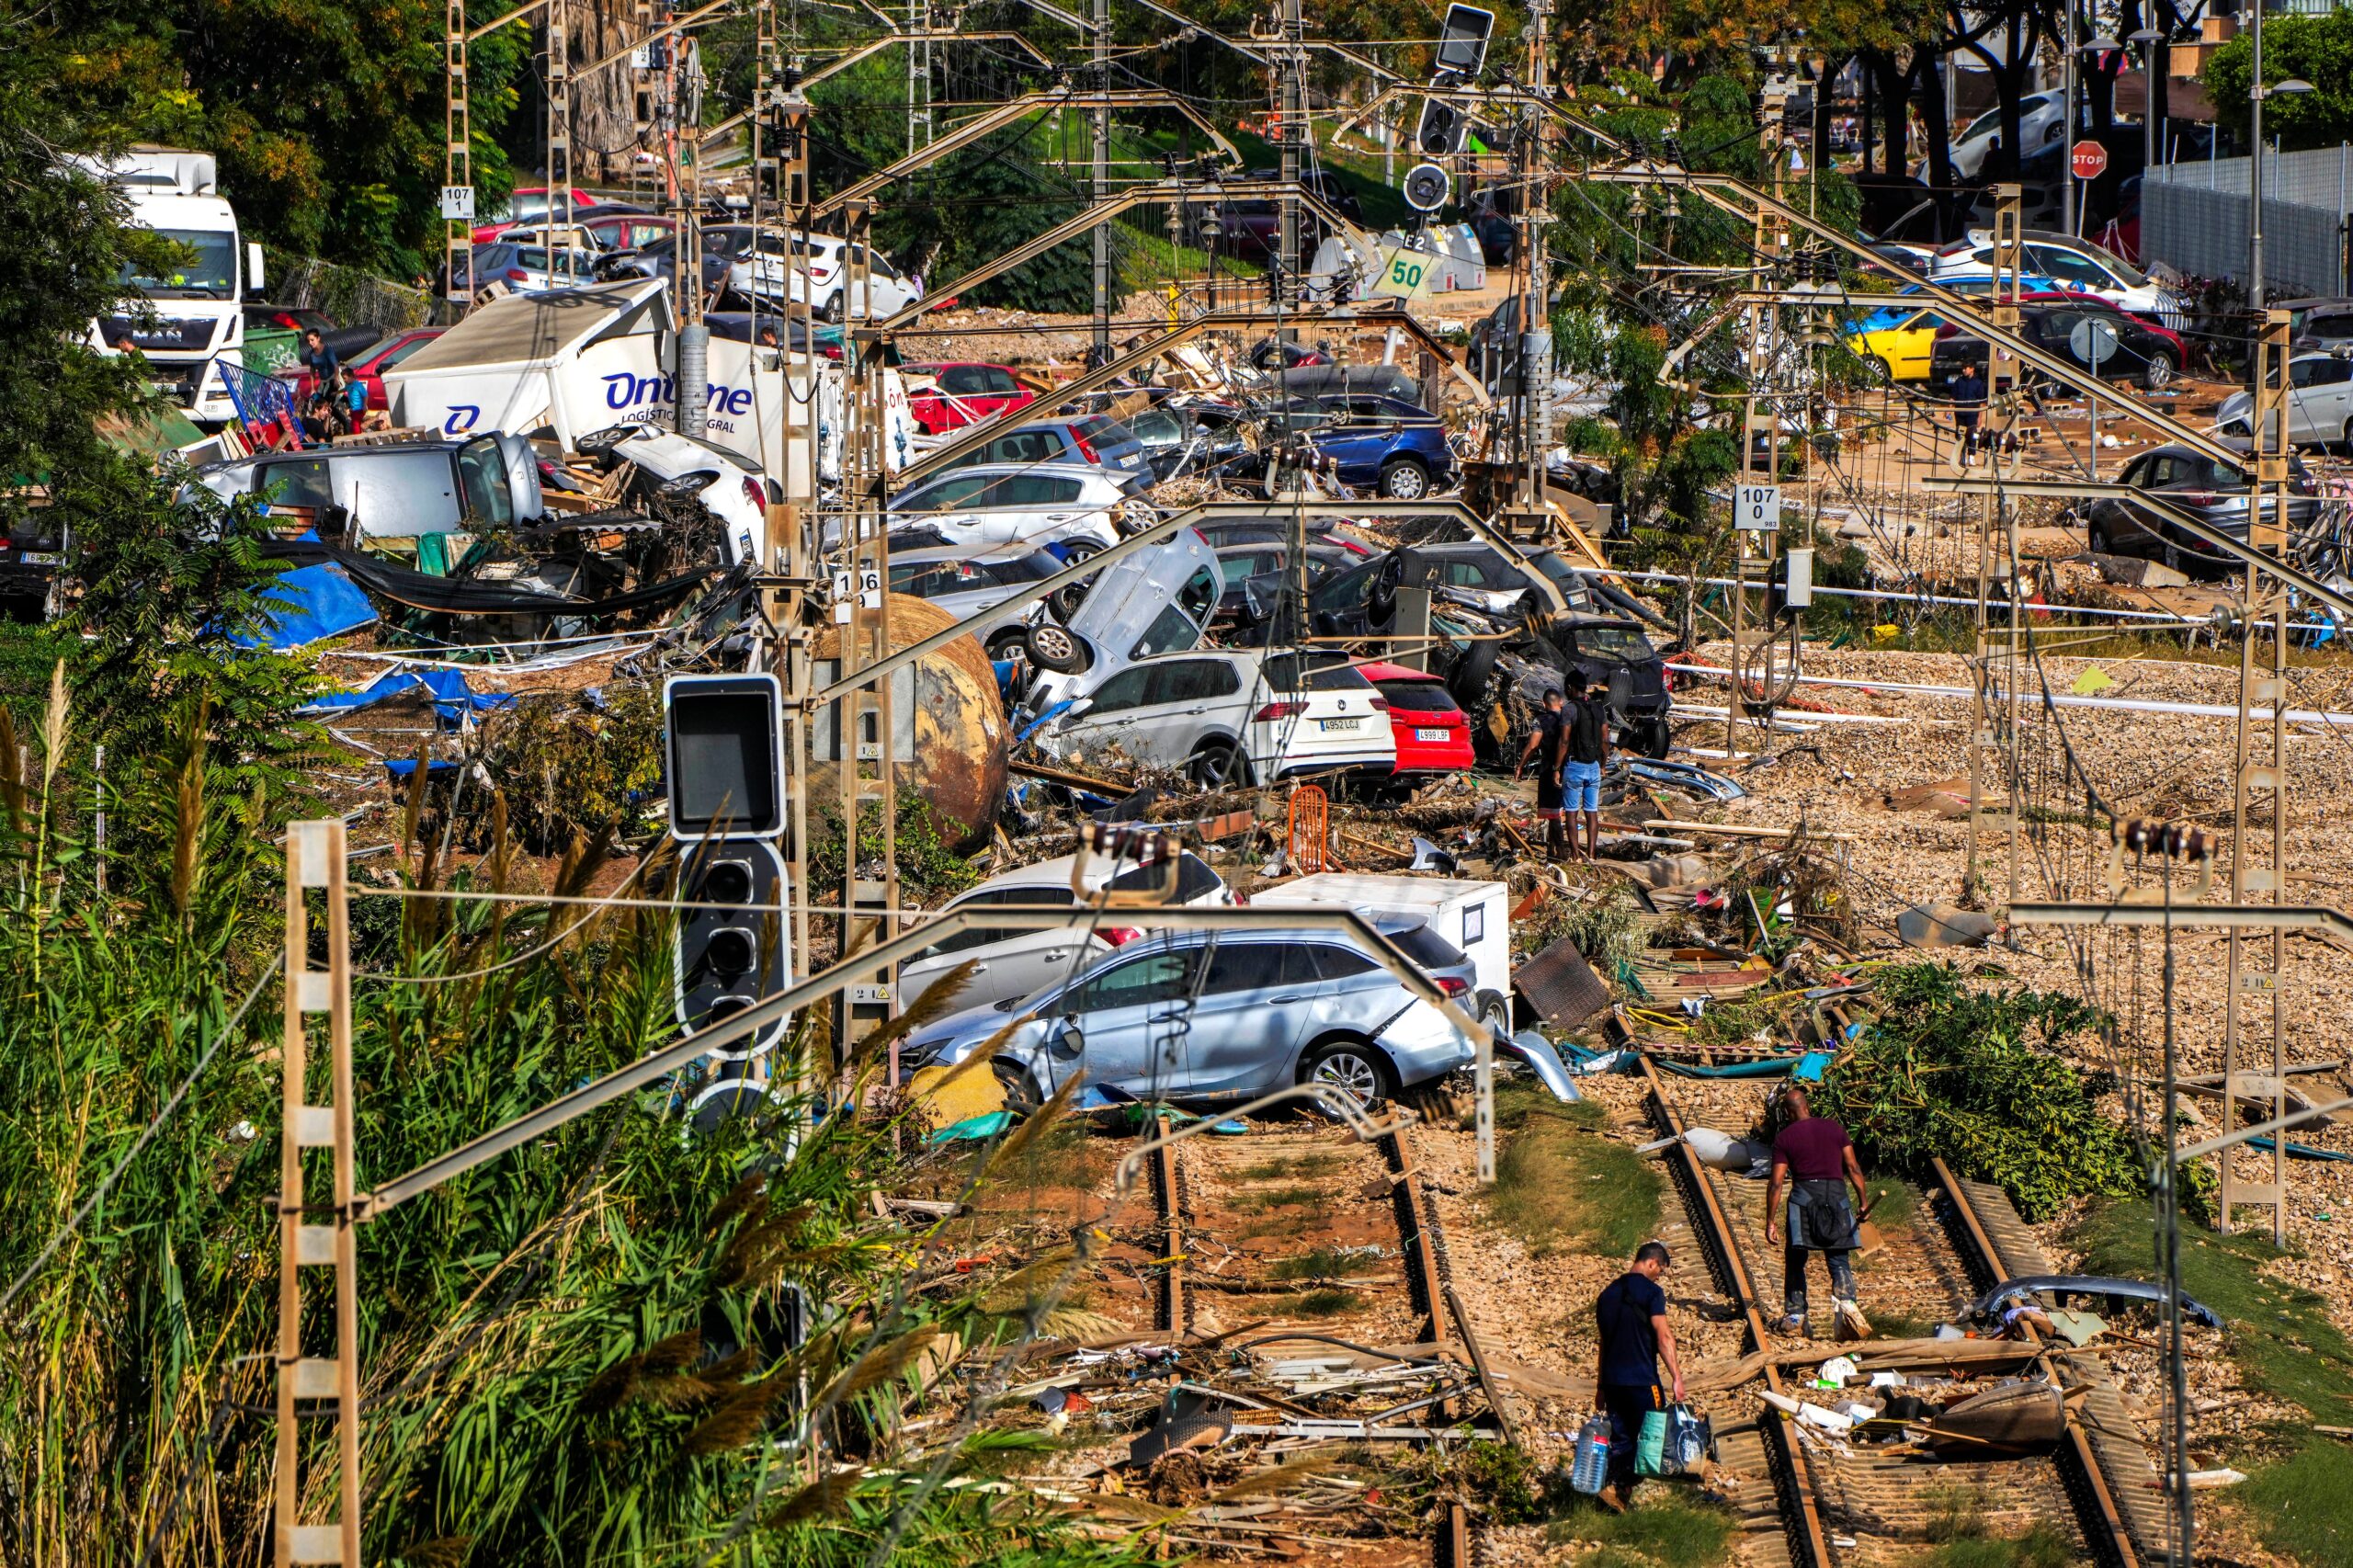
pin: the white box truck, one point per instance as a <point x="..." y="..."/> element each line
<point x="200" y="303"/>
<point x="1474" y="916"/>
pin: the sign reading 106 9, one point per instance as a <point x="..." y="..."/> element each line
<point x="1756" y="506"/>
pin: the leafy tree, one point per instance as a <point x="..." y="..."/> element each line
<point x="2318" y="50"/>
<point x="328" y="118"/>
<point x="168" y="590"/>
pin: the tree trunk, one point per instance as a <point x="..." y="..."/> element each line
<point x="1937" y="116"/>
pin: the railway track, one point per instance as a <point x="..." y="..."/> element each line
<point x="1848" y="1506"/>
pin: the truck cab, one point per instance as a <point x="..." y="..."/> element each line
<point x="199" y="305"/>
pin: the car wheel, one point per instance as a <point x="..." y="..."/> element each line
<point x="1020" y="1088"/>
<point x="2158" y="372"/>
<point x="1654" y="736"/>
<point x="1356" y="1069"/>
<point x="1216" y="765"/>
<point x="1404" y="480"/>
<point x="832" y="310"/>
<point x="1063" y="602"/>
<point x="1495" y="1013"/>
<point x="1876" y="371"/>
<point x="2348" y="437"/>
<point x="2095" y="539"/>
<point x="1054" y="648"/>
<point x="1005" y="643"/>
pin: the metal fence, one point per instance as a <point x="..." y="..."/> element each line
<point x="2194" y="218"/>
<point x="352" y="297"/>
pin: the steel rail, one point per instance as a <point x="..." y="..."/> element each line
<point x="2104" y="1523"/>
<point x="1805" y="1526"/>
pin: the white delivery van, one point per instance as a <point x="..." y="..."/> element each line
<point x="1474" y="916"/>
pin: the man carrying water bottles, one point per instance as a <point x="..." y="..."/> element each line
<point x="1631" y="1313"/>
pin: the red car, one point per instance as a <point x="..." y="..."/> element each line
<point x="960" y="394"/>
<point x="369" y="365"/>
<point x="1432" y="734"/>
<point x="529" y="202"/>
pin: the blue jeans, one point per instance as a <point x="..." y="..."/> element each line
<point x="1581" y="787"/>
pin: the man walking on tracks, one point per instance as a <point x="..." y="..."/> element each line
<point x="1631" y="1313"/>
<point x="1814" y="1153"/>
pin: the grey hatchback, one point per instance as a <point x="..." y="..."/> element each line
<point x="1224" y="1016"/>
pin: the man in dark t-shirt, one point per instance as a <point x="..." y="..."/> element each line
<point x="1547" y="743"/>
<point x="1631" y="1315"/>
<point x="1814" y="1162"/>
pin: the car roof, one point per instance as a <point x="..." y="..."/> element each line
<point x="1377" y="671"/>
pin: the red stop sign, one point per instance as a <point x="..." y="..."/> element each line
<point x="2088" y="159"/>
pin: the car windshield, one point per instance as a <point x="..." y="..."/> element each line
<point x="207" y="266"/>
<point x="1613" y="642"/>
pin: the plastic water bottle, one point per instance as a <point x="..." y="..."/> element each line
<point x="1589" y="1471"/>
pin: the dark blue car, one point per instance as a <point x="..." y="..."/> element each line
<point x="1384" y="443"/>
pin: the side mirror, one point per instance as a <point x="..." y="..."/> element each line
<point x="253" y="267"/>
<point x="1077" y="706"/>
<point x="1068" y="1041"/>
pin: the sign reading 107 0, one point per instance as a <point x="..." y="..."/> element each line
<point x="1756" y="506"/>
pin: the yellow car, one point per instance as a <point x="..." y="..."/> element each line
<point x="1895" y="344"/>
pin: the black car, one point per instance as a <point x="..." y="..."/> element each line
<point x="1242" y="225"/>
<point x="2147" y="353"/>
<point x="1177" y="441"/>
<point x="1267" y="566"/>
<point x="724" y="245"/>
<point x="2193" y="482"/>
<point x="32" y="566"/>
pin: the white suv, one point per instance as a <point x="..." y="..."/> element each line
<point x="1231" y="717"/>
<point x="2070" y="264"/>
<point x="996" y="504"/>
<point x="769" y="272"/>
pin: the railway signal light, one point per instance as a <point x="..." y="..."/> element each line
<point x="1439" y="132"/>
<point x="1462" y="41"/>
<point x="724" y="740"/>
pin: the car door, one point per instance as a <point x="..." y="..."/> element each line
<point x="1257" y="1004"/>
<point x="1007" y="961"/>
<point x="2316" y="400"/>
<point x="1131" y="1014"/>
<point x="1191" y="700"/>
<point x="1114" y="710"/>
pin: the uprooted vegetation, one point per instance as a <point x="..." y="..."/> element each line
<point x="1974" y="1077"/>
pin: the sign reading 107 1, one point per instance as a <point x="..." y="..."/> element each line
<point x="1756" y="506"/>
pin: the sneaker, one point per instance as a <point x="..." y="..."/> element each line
<point x="1793" y="1325"/>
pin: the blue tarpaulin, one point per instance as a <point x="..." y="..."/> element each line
<point x="451" y="696"/>
<point x="321" y="602"/>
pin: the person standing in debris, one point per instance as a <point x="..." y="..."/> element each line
<point x="1813" y="1160"/>
<point x="1587" y="732"/>
<point x="1635" y="1336"/>
<point x="1549" y="743"/>
<point x="354" y="397"/>
<point x="1968" y="402"/>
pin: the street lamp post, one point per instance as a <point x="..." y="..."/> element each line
<point x="2098" y="46"/>
<point x="2257" y="93"/>
<point x="2148" y="38"/>
<point x="2067" y="108"/>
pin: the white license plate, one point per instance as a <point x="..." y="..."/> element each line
<point x="1332" y="726"/>
<point x="1430" y="734"/>
<point x="41" y="557"/>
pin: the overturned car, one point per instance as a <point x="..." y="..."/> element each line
<point x="1500" y="643"/>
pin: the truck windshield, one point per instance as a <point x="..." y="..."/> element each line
<point x="206" y="266"/>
